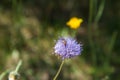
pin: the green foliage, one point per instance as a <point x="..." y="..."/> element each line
<point x="28" y="30"/>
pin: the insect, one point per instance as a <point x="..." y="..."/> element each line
<point x="64" y="41"/>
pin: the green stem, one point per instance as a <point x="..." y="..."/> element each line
<point x="14" y="75"/>
<point x="3" y="74"/>
<point x="111" y="47"/>
<point x="59" y="70"/>
<point x="18" y="66"/>
<point x="91" y="10"/>
<point x="100" y="11"/>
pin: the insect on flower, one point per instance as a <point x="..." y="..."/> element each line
<point x="64" y="42"/>
<point x="67" y="47"/>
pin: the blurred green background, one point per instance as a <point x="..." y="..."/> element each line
<point x="29" y="28"/>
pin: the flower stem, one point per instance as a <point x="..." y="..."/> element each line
<point x="18" y="66"/>
<point x="58" y="72"/>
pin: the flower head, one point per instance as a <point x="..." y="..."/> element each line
<point x="74" y="22"/>
<point x="67" y="48"/>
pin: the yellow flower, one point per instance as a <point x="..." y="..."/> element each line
<point x="74" y="22"/>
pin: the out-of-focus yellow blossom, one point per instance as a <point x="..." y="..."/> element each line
<point x="74" y="22"/>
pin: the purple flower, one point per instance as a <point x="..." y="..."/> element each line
<point x="67" y="47"/>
